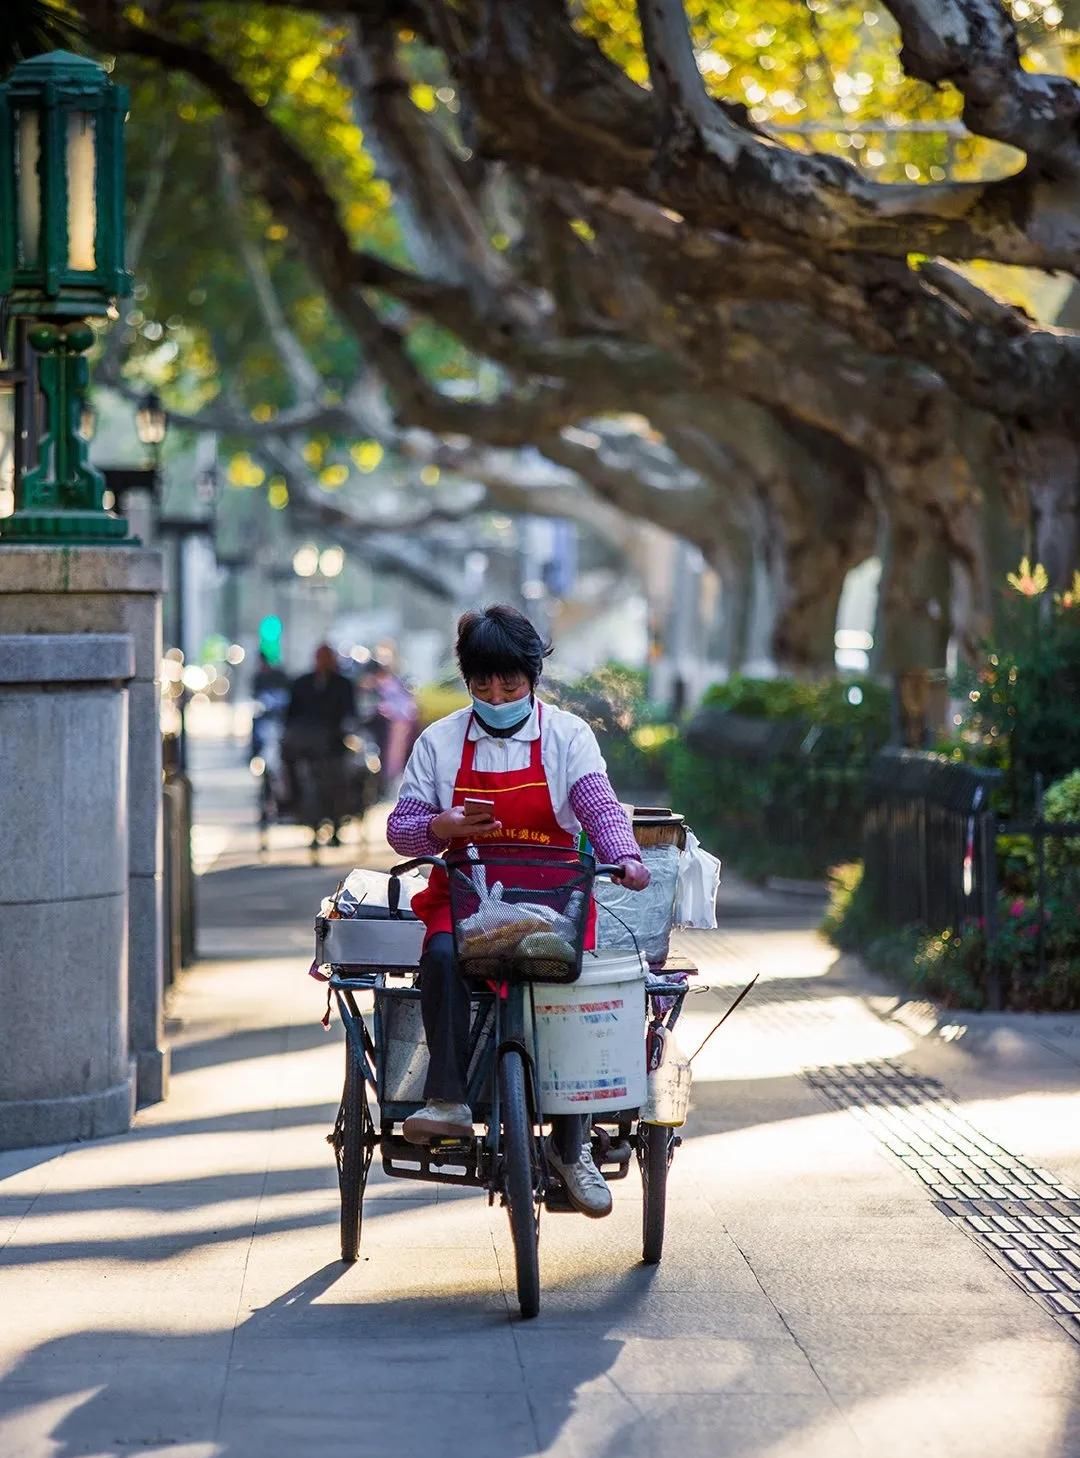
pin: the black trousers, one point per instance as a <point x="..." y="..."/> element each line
<point x="444" y="1001"/>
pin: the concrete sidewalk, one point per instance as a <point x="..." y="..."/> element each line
<point x="178" y="1289"/>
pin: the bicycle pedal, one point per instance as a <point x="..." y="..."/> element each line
<point x="615" y="1154"/>
<point x="557" y="1201"/>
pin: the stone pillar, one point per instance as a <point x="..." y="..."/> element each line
<point x="65" y="1068"/>
<point x="117" y="590"/>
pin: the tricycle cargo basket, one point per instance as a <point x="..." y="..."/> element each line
<point x="391" y="945"/>
<point x="403" y="1050"/>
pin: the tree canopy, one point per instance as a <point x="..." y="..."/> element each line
<point x="774" y="276"/>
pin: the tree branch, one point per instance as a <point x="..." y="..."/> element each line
<point x="305" y="378"/>
<point x="972" y="44"/>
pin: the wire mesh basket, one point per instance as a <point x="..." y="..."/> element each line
<point x="520" y="914"/>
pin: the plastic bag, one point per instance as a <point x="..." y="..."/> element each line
<point x="699" y="881"/>
<point x="640" y="920"/>
<point x="371" y="888"/>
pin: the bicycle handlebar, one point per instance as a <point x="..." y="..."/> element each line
<point x="615" y="872"/>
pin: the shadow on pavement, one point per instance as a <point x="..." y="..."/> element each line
<point x="314" y="1371"/>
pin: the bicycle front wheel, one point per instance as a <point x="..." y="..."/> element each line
<point x="520" y="1169"/>
<point x="354" y="1142"/>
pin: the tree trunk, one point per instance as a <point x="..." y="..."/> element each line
<point x="804" y="639"/>
<point x="734" y="613"/>
<point x="761" y="629"/>
<point x="912" y="640"/>
<point x="1053" y="461"/>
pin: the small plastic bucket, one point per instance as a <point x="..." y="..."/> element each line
<point x="668" y="1095"/>
<point x="590" y="1036"/>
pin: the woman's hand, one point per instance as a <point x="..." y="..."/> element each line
<point x="635" y="876"/>
<point x="460" y="823"/>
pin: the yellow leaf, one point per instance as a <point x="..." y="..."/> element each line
<point x="423" y="96"/>
<point x="333" y="476"/>
<point x="313" y="453"/>
<point x="302" y="68"/>
<point x="367" y="454"/>
<point x="243" y="471"/>
<point x="278" y="495"/>
<point x="430" y="475"/>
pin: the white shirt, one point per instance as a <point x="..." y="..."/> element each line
<point x="568" y="751"/>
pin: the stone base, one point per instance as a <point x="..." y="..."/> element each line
<point x="27" y="1122"/>
<point x="152" y="1068"/>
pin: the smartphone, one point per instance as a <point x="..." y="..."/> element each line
<point x="476" y="806"/>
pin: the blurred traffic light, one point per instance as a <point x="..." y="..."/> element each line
<point x="270" y="638"/>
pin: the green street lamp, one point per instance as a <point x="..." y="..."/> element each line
<point x="61" y="263"/>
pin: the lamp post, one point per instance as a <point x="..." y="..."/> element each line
<point x="61" y="264"/>
<point x="151" y="427"/>
<point x="179" y="529"/>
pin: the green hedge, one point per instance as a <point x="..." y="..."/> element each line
<point x="1020" y="696"/>
<point x="956" y="966"/>
<point x="794" y="813"/>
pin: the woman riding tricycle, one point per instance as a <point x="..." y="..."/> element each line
<point x="497" y="798"/>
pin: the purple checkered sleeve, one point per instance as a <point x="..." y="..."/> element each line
<point x="409" y="829"/>
<point x="603" y="819"/>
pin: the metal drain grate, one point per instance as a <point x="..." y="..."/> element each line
<point x="1026" y="1219"/>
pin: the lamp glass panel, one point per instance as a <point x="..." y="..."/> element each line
<point x="7" y="450"/>
<point x="82" y="191"/>
<point x="28" y="182"/>
<point x="150" y="424"/>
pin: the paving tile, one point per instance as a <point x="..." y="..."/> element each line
<point x="938" y="1423"/>
<point x="93" y="1411"/>
<point x="773" y="1367"/>
<point x="730" y="1425"/>
<point x="359" y="1421"/>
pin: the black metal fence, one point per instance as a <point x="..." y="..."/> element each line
<point x="929" y="843"/>
<point x="936" y="855"/>
<point x="781" y="797"/>
<point x="1040" y="861"/>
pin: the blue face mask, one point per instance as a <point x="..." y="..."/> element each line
<point x="503" y="716"/>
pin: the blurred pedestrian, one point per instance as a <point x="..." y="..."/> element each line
<point x="396" y="709"/>
<point x="271" y="690"/>
<point x="319" y="715"/>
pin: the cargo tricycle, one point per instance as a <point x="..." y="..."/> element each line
<point x="520" y="917"/>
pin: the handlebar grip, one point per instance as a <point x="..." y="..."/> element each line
<point x="407" y="866"/>
<point x="615" y="872"/>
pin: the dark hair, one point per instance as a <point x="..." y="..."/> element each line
<point x="498" y="643"/>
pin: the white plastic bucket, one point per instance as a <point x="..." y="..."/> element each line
<point x="590" y="1036"/>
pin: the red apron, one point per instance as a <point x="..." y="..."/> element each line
<point x="524" y="809"/>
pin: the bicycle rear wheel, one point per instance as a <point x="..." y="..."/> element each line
<point x="354" y="1143"/>
<point x="654" y="1157"/>
<point x="520" y="1171"/>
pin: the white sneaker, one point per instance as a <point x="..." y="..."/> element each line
<point x="438" y="1119"/>
<point x="586" y="1187"/>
